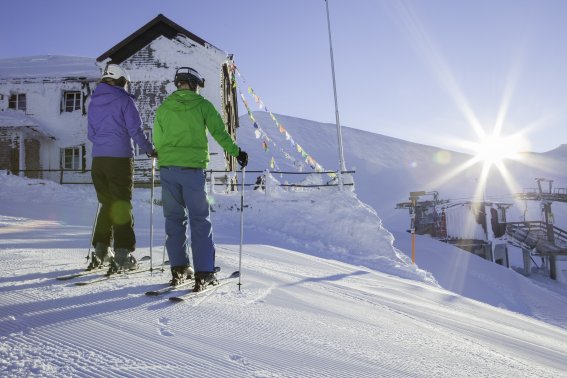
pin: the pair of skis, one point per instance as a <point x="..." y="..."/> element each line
<point x="154" y="293"/>
<point x="107" y="276"/>
<point x="142" y="267"/>
<point x="189" y="285"/>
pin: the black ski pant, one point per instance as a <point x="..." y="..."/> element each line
<point x="113" y="182"/>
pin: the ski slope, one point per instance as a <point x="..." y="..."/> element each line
<point x="299" y="313"/>
<point x="296" y="316"/>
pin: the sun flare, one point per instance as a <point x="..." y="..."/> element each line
<point x="493" y="150"/>
<point x="490" y="152"/>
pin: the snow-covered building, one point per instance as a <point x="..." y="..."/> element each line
<point x="43" y="123"/>
<point x="44" y="99"/>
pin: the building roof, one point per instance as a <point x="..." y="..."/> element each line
<point x="49" y="67"/>
<point x="159" y="26"/>
<point x="18" y="120"/>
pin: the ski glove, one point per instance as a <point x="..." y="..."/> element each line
<point x="152" y="154"/>
<point x="242" y="158"/>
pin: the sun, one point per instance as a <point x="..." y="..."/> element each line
<point x="494" y="149"/>
<point x="490" y="152"/>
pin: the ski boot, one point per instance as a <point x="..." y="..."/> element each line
<point x="123" y="261"/>
<point x="204" y="279"/>
<point x="101" y="255"/>
<point x="181" y="273"/>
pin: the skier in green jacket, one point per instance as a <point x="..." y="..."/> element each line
<point x="181" y="143"/>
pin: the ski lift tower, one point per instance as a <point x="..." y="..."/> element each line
<point x="543" y="239"/>
<point x="412" y="206"/>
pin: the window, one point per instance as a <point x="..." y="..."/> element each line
<point x="17" y="102"/>
<point x="71" y="101"/>
<point x="71" y="158"/>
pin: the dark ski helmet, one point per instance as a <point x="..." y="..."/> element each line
<point x="190" y="76"/>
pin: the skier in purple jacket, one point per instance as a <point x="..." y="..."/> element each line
<point x="114" y="122"/>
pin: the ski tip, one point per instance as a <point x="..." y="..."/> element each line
<point x="81" y="283"/>
<point x="145" y="258"/>
<point x="235" y="274"/>
<point x="152" y="293"/>
<point x="64" y="278"/>
<point x="176" y="299"/>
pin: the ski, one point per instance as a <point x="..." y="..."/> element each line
<point x="221" y="282"/>
<point x="107" y="276"/>
<point x="83" y="273"/>
<point x="80" y="274"/>
<point x="155" y="293"/>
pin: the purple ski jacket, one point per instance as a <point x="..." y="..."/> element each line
<point x="114" y="122"/>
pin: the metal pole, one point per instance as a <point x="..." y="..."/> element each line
<point x="412" y="229"/>
<point x="414" y="196"/>
<point x="152" y="214"/>
<point x="164" y="252"/>
<point x="93" y="230"/>
<point x="241" y="229"/>
<point x="342" y="166"/>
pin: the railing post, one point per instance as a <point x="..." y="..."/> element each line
<point x="527" y="261"/>
<point x="552" y="267"/>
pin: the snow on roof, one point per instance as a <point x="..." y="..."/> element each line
<point x="49" y="66"/>
<point x="16" y="119"/>
<point x="11" y="118"/>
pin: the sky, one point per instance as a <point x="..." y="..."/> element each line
<point x="433" y="72"/>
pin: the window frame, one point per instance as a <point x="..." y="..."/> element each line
<point x="76" y="158"/>
<point x="17" y="99"/>
<point x="77" y="101"/>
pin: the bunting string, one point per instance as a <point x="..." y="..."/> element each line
<point x="306" y="158"/>
<point x="259" y="133"/>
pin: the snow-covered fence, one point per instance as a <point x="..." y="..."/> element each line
<point x="227" y="180"/>
<point x="267" y="180"/>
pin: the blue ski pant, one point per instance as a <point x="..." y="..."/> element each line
<point x="185" y="206"/>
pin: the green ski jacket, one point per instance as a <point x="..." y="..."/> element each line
<point x="180" y="130"/>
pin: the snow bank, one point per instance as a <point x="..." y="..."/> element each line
<point x="325" y="223"/>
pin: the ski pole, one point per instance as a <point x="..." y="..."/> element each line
<point x="93" y="231"/>
<point x="241" y="228"/>
<point x="152" y="214"/>
<point x="163" y="256"/>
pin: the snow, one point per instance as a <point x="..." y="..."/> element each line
<point x="12" y="118"/>
<point x="18" y="120"/>
<point x="328" y="287"/>
<point x="44" y="67"/>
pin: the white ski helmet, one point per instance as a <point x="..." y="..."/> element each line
<point x="114" y="71"/>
